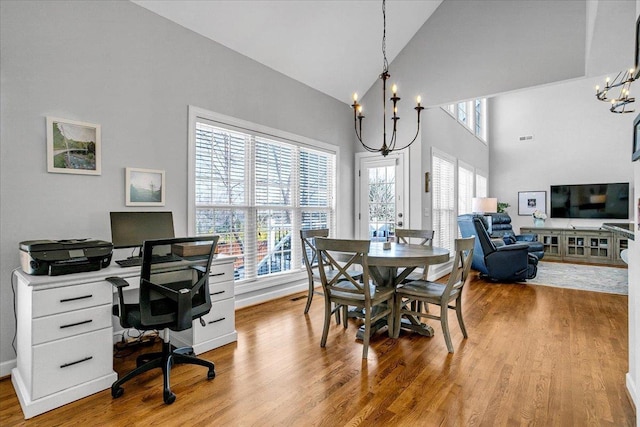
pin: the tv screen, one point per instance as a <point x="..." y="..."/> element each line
<point x="130" y="229"/>
<point x="596" y="201"/>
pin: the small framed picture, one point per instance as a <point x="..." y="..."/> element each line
<point x="144" y="187"/>
<point x="531" y="201"/>
<point x="73" y="147"/>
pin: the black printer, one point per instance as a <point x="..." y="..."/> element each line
<point x="56" y="257"/>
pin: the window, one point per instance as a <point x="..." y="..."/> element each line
<point x="455" y="183"/>
<point x="256" y="190"/>
<point x="481" y="185"/>
<point x="465" y="187"/>
<point x="472" y="115"/>
<point x="443" y="202"/>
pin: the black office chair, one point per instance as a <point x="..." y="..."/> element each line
<point x="171" y="296"/>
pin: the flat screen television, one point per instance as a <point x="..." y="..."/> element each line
<point x="594" y="201"/>
<point x="130" y="229"/>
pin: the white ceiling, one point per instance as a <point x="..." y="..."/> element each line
<point x="334" y="46"/>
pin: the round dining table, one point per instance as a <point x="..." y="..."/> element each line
<point x="384" y="264"/>
<point x="391" y="263"/>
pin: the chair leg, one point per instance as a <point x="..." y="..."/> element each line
<point x="391" y="317"/>
<point x="309" y="297"/>
<point x="460" y="320"/>
<point x="345" y="316"/>
<point x="367" y="332"/>
<point x="444" y="321"/>
<point x="327" y="321"/>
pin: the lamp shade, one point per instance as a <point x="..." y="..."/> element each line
<point x="484" y="204"/>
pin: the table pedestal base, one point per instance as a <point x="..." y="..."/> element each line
<point x="410" y="324"/>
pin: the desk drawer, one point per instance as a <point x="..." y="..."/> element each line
<point x="68" y="298"/>
<point x="58" y="326"/>
<point x="68" y="362"/>
<point x="220" y="291"/>
<point x="219" y="321"/>
<point x="221" y="273"/>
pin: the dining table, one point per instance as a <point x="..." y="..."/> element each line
<point x="390" y="263"/>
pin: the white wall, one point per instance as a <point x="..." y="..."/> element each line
<point x="135" y="73"/>
<point x="576" y="141"/>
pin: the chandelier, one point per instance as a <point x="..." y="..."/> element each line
<point x="357" y="108"/>
<point x="623" y="81"/>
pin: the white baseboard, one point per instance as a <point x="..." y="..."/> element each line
<point x="248" y="299"/>
<point x="6" y="367"/>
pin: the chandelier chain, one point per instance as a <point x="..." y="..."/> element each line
<point x="385" y="63"/>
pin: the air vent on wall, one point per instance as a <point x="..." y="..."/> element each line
<point x="525" y="138"/>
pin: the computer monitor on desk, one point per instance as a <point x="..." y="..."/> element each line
<point x="131" y="229"/>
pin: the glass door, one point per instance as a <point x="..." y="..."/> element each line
<point x="381" y="200"/>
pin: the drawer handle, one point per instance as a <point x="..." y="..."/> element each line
<point x="216" y="274"/>
<point x="77" y="298"/>
<point x="217" y="320"/>
<point x="218" y="293"/>
<point x="66" y="365"/>
<point x="76" y="324"/>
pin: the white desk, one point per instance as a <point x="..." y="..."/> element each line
<point x="65" y="332"/>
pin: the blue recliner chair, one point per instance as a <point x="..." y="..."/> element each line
<point x="501" y="229"/>
<point x="503" y="263"/>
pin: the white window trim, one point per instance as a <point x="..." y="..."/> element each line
<point x="471" y="117"/>
<point x="194" y="114"/>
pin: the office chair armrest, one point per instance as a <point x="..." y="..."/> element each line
<point x="119" y="283"/>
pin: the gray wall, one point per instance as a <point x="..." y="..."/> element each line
<point x="135" y="73"/>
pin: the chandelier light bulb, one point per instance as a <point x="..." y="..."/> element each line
<point x="418" y="99"/>
<point x="355" y="96"/>
<point x="394" y="89"/>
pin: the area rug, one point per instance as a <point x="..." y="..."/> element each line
<point x="584" y="277"/>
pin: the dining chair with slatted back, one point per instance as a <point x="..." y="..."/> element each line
<point x="419" y="237"/>
<point x="440" y="294"/>
<point x="307" y="238"/>
<point x="343" y="289"/>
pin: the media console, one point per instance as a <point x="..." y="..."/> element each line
<point x="65" y="332"/>
<point x="589" y="245"/>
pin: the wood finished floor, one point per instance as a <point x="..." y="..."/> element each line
<point x="535" y="355"/>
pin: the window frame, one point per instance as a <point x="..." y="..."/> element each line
<point x="471" y="117"/>
<point x="250" y="207"/>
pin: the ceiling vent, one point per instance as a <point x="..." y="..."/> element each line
<point x="525" y="138"/>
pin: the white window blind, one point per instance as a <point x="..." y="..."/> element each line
<point x="465" y="187"/>
<point x="481" y="185"/>
<point x="443" y="200"/>
<point x="256" y="192"/>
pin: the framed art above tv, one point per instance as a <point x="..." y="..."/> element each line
<point x="635" y="152"/>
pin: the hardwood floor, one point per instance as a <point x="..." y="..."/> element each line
<point x="535" y="355"/>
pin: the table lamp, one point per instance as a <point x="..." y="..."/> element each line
<point x="484" y="206"/>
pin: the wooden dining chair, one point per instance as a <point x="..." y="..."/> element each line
<point x="344" y="289"/>
<point x="409" y="295"/>
<point x="419" y="237"/>
<point x="309" y="256"/>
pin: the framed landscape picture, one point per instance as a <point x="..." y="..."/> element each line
<point x="144" y="187"/>
<point x="73" y="147"/>
<point x="531" y="201"/>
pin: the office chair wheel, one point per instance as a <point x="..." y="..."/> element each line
<point x="169" y="397"/>
<point x="117" y="392"/>
<point x="211" y="374"/>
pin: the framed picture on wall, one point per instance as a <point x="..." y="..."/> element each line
<point x="73" y="147"/>
<point x="531" y="201"/>
<point x="635" y="151"/>
<point x="144" y="187"/>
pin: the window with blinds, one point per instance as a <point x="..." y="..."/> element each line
<point x="481" y="185"/>
<point x="443" y="200"/>
<point x="256" y="192"/>
<point x="465" y="188"/>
